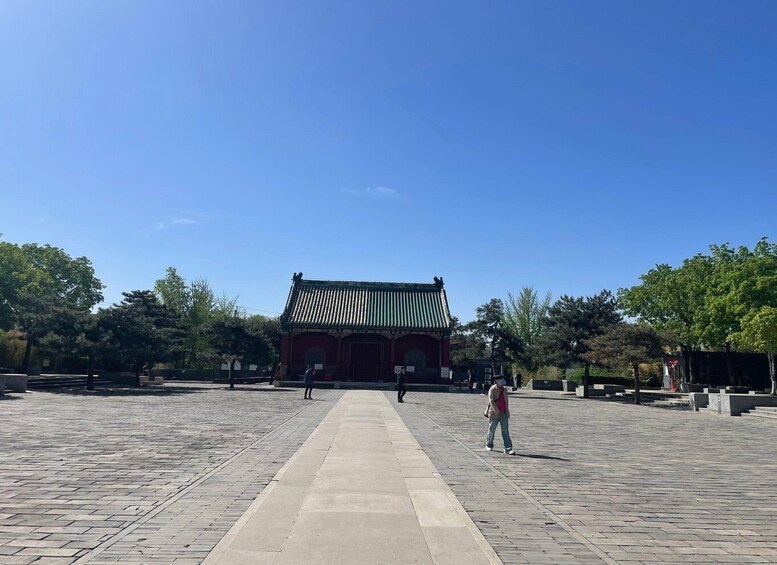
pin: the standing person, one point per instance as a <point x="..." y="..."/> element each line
<point x="498" y="412"/>
<point x="470" y="380"/>
<point x="518" y="381"/>
<point x="309" y="372"/>
<point x="401" y="389"/>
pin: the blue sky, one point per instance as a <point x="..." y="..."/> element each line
<point x="566" y="145"/>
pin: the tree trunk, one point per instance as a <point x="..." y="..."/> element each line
<point x="586" y="377"/>
<point x="90" y="373"/>
<point x="772" y="372"/>
<point x="231" y="373"/>
<point x="729" y="365"/>
<point x="137" y="374"/>
<point x="27" y="353"/>
<point x="686" y="351"/>
<point x="635" y="368"/>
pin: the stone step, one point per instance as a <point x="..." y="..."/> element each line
<point x="46" y="383"/>
<point x="761" y="413"/>
<point x="767" y="409"/>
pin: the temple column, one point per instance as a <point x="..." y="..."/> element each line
<point x="339" y="358"/>
<point x="392" y="359"/>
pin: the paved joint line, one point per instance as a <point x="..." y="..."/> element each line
<point x="536" y="503"/>
<point x="171" y="500"/>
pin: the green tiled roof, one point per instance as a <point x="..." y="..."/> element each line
<point x="366" y="305"/>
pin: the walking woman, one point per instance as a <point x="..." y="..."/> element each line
<point x="498" y="412"/>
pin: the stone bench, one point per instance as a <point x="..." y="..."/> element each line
<point x="698" y="400"/>
<point x="16" y="383"/>
<point x="146" y="381"/>
<point x="569" y="386"/>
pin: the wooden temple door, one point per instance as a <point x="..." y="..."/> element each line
<point x="365" y="361"/>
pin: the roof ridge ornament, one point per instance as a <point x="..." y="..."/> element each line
<point x="297" y="277"/>
<point x="437" y="282"/>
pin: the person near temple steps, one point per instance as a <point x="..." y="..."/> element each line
<point x="401" y="389"/>
<point x="498" y="412"/>
<point x="309" y="372"/>
<point x="470" y="380"/>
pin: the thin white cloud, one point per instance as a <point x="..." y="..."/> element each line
<point x="160" y="225"/>
<point x="373" y="192"/>
<point x="181" y="221"/>
<point x="382" y="191"/>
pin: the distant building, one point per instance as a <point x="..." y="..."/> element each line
<point x="712" y="368"/>
<point x="364" y="331"/>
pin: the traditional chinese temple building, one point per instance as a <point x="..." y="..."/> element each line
<point x="364" y="331"/>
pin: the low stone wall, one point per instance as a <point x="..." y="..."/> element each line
<point x="600" y="390"/>
<point x="580" y="392"/>
<point x="610" y="389"/>
<point x="735" y="404"/>
<point x="540" y="384"/>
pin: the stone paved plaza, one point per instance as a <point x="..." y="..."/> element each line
<point x="159" y="476"/>
<point x="600" y="481"/>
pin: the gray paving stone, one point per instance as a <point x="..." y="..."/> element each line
<point x="601" y="481"/>
<point x="182" y="462"/>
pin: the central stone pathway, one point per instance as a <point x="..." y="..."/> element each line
<point x="360" y="490"/>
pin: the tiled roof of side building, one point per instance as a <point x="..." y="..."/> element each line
<point x="366" y="305"/>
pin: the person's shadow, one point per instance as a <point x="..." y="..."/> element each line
<point x="537" y="456"/>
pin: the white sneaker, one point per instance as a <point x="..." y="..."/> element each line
<point x="489" y="448"/>
<point x="509" y="452"/>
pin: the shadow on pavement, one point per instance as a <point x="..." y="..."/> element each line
<point x="536" y="456"/>
<point x="121" y="391"/>
<point x="273" y="389"/>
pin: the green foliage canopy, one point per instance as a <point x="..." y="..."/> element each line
<point x="573" y="320"/>
<point x="705" y="299"/>
<point x="524" y="316"/>
<point x="759" y="333"/>
<point x="143" y="331"/>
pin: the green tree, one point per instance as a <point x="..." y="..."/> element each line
<point x="502" y="344"/>
<point x="54" y="280"/>
<point x="704" y="300"/>
<point x="625" y="346"/>
<point x="742" y="281"/>
<point x="759" y="333"/>
<point x="235" y="338"/>
<point x="524" y="315"/>
<point x="467" y="344"/>
<point x="572" y="321"/>
<point x="92" y="337"/>
<point x="173" y="292"/>
<point x="271" y="328"/>
<point x="16" y="276"/>
<point x="194" y="305"/>
<point x="143" y="331"/>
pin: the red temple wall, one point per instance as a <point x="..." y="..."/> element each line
<point x="428" y="345"/>
<point x="302" y="342"/>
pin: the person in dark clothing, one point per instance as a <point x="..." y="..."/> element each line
<point x="470" y="379"/>
<point x="401" y="389"/>
<point x="309" y="372"/>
